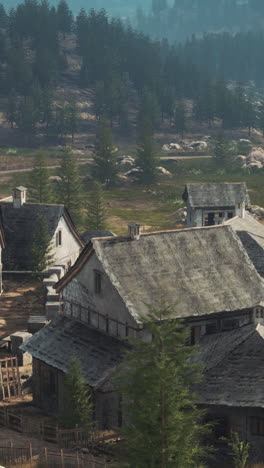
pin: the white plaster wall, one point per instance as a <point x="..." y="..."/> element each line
<point x="70" y="248"/>
<point x="197" y="218"/>
<point x="81" y="291"/>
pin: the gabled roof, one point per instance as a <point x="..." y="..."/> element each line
<point x="64" y="338"/>
<point x="251" y="234"/>
<point x="234" y="371"/>
<point x="200" y="270"/>
<point x="88" y="235"/>
<point x="216" y="195"/>
<point x="19" y="224"/>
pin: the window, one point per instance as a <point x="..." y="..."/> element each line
<point x="230" y="215"/>
<point x="59" y="238"/>
<point x="97" y="282"/>
<point x="127" y="330"/>
<point x="239" y="205"/>
<point x="257" y="426"/>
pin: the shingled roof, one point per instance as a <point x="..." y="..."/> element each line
<point x="216" y="195"/>
<point x="64" y="338"/>
<point x="88" y="235"/>
<point x="234" y="372"/>
<point x="251" y="234"/>
<point x="200" y="270"/>
<point x="19" y="224"/>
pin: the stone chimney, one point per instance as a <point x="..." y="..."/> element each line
<point x="19" y="196"/>
<point x="134" y="230"/>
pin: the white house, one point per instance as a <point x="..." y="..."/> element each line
<point x="19" y="220"/>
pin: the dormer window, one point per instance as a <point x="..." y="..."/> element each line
<point x="97" y="282"/>
<point x="59" y="238"/>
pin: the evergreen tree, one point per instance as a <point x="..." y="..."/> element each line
<point x="261" y="117"/>
<point x="77" y="398"/>
<point x="12" y="108"/>
<point x="156" y="381"/>
<point x="96" y="209"/>
<point x="220" y="148"/>
<point x="70" y="186"/>
<point x="65" y="17"/>
<point x="105" y="157"/>
<point x="72" y="118"/>
<point x="180" y="118"/>
<point x="39" y="179"/>
<point x="147" y="159"/>
<point x="40" y="255"/>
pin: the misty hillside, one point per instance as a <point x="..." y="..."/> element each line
<point x="184" y="18"/>
<point x="122" y="8"/>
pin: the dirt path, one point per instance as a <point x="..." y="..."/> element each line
<point x="55" y="166"/>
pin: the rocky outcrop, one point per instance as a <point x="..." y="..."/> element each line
<point x="255" y="159"/>
<point x="181" y="215"/>
<point x="126" y="162"/>
<point x="257" y="212"/>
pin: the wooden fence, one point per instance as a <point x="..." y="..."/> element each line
<point x="68" y="439"/>
<point x="48" y="458"/>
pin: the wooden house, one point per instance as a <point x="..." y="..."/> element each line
<point x="205" y="271"/>
<point x="213" y="204"/>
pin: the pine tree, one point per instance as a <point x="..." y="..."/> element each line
<point x="70" y="186"/>
<point x="72" y="117"/>
<point x="12" y="108"/>
<point x="96" y="209"/>
<point x="220" y="147"/>
<point x="77" y="398"/>
<point x="40" y="254"/>
<point x="261" y="117"/>
<point x="65" y="17"/>
<point x="105" y="157"/>
<point x="147" y="159"/>
<point x="164" y="425"/>
<point x="39" y="179"/>
<point x="180" y="118"/>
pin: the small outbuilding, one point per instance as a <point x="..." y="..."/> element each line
<point x="213" y="204"/>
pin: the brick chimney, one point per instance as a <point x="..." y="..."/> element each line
<point x="19" y="196"/>
<point x="134" y="230"/>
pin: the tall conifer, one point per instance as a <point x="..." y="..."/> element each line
<point x="156" y="383"/>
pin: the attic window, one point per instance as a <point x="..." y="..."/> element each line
<point x="97" y="282"/>
<point x="59" y="238"/>
<point x="257" y="426"/>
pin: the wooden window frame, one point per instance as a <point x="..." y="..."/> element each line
<point x="97" y="282"/>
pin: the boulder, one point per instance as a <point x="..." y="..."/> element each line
<point x="256" y="154"/>
<point x="199" y="145"/>
<point x="175" y="146"/>
<point x="240" y="159"/>
<point x="133" y="172"/>
<point x="166" y="148"/>
<point x="257" y="211"/>
<point x="244" y="140"/>
<point x="171" y="147"/>
<point x="126" y="162"/>
<point x="164" y="171"/>
<point x="181" y="215"/>
<point x="255" y="165"/>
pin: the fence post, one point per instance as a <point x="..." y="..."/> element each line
<point x="62" y="458"/>
<point x="93" y="462"/>
<point x="31" y="454"/>
<point x="46" y="455"/>
<point x="77" y="460"/>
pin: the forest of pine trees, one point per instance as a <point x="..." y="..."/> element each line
<point x="121" y="64"/>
